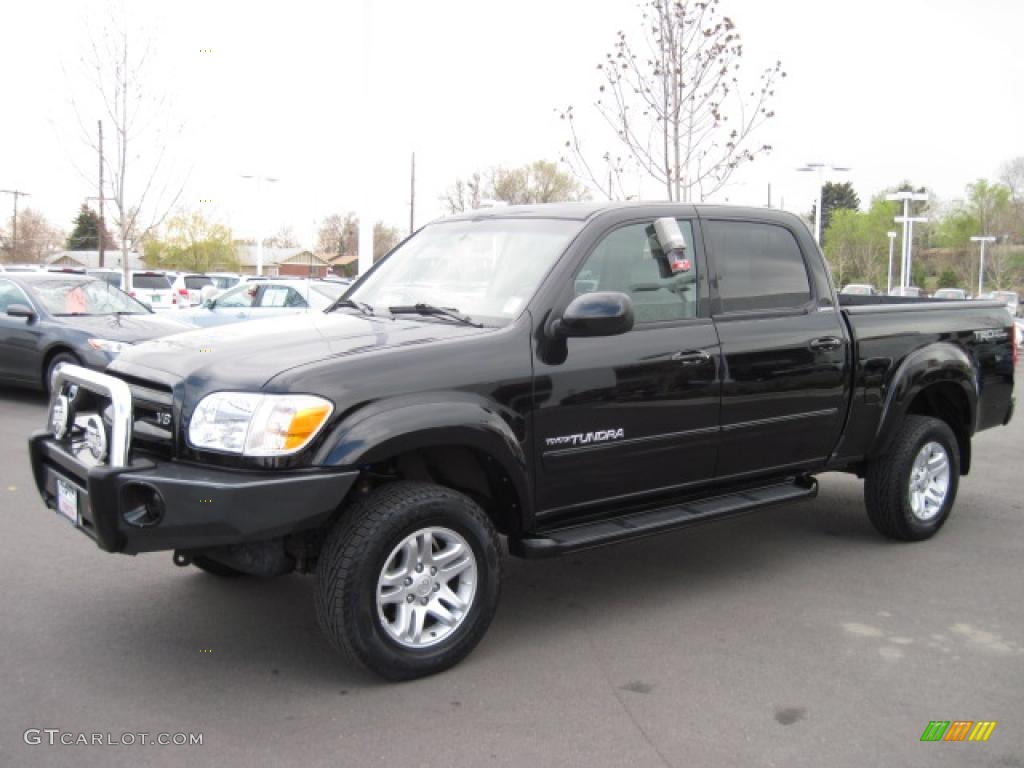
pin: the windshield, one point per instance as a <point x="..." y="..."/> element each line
<point x="84" y="297"/>
<point x="488" y="268"/>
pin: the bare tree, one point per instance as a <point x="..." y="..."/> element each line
<point x="464" y="195"/>
<point x="144" y="186"/>
<point x="675" y="103"/>
<point x="37" y="238"/>
<point x="1012" y="175"/>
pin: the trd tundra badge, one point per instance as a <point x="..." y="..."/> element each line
<point x="583" y="438"/>
<point x="990" y="335"/>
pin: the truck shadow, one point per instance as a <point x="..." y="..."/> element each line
<point x="21" y="396"/>
<point x="265" y="632"/>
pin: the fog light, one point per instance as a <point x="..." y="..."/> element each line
<point x="59" y="413"/>
<point x="141" y="505"/>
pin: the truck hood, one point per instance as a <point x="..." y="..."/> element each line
<point x="248" y="354"/>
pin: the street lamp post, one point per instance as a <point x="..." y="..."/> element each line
<point x="906" y="196"/>
<point x="259" y="218"/>
<point x="820" y="168"/>
<point x="908" y="236"/>
<point x="982" y="239"/>
<point x="892" y="240"/>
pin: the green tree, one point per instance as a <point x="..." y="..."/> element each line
<point x="836" y="197"/>
<point x="948" y="279"/>
<point x="85" y="234"/>
<point x="193" y="242"/>
<point x="856" y="244"/>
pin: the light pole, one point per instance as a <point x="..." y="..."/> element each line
<point x="906" y="196"/>
<point x="820" y="168"/>
<point x="908" y="235"/>
<point x="259" y="218"/>
<point x="982" y="239"/>
<point x="892" y="240"/>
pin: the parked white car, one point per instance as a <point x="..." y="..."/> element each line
<point x="152" y="287"/>
<point x="189" y="286"/>
<point x="265" y="297"/>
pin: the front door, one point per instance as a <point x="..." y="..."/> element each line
<point x="624" y="417"/>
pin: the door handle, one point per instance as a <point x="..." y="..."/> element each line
<point x="826" y="343"/>
<point x="695" y="357"/>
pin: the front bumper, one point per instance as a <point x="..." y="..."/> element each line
<point x="197" y="507"/>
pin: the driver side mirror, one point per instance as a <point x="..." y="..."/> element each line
<point x="596" y="314"/>
<point x="21" y="310"/>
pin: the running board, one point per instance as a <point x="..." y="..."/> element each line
<point x="653" y="521"/>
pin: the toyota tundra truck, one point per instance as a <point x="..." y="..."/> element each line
<point x="563" y="377"/>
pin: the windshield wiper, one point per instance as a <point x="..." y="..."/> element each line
<point x="362" y="306"/>
<point x="431" y="310"/>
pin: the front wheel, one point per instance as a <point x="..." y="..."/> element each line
<point x="910" y="488"/>
<point x="408" y="580"/>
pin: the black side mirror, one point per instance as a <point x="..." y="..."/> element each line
<point x="21" y="310"/>
<point x="596" y="314"/>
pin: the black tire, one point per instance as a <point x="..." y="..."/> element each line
<point x="887" y="482"/>
<point x="356" y="551"/>
<point x="51" y="365"/>
<point x="217" y="569"/>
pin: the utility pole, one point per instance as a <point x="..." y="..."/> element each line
<point x="412" y="196"/>
<point x="769" y="194"/>
<point x="16" y="193"/>
<point x="982" y="239"/>
<point x="100" y="244"/>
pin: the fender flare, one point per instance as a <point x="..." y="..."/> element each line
<point x="384" y="428"/>
<point x="938" y="363"/>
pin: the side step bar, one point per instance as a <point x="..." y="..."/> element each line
<point x="649" y="522"/>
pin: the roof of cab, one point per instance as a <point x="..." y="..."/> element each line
<point x="587" y="210"/>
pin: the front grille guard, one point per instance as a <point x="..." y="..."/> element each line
<point x="121" y="403"/>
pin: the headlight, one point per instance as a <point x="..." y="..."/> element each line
<point x="257" y="425"/>
<point x="106" y="345"/>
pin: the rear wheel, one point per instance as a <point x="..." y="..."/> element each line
<point x="408" y="580"/>
<point x="910" y="488"/>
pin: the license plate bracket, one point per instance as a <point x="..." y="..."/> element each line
<point x="67" y="501"/>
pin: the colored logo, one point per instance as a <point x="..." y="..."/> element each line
<point x="958" y="730"/>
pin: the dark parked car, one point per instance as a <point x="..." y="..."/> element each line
<point x="49" y="318"/>
<point x="569" y="376"/>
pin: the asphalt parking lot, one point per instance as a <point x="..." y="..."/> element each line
<point x="793" y="637"/>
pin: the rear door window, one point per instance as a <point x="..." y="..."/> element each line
<point x="760" y="266"/>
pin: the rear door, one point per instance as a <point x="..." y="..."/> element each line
<point x="624" y="417"/>
<point x="785" y="350"/>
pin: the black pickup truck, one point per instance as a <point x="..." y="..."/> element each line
<point x="567" y="376"/>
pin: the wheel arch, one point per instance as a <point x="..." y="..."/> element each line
<point x="938" y="381"/>
<point x="462" y="442"/>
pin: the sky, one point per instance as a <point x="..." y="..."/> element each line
<point x="925" y="90"/>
